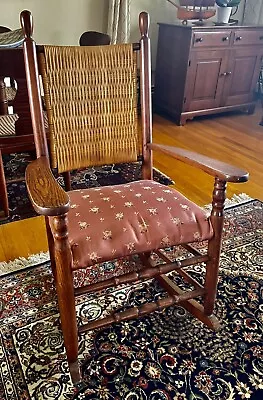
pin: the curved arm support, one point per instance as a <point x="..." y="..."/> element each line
<point x="218" y="169"/>
<point x="46" y="195"/>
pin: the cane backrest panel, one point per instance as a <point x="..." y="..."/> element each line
<point x="91" y="101"/>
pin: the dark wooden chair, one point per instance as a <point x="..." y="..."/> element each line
<point x="93" y="120"/>
<point x="11" y="90"/>
<point x="93" y="38"/>
<point x="16" y="133"/>
<point x="4" y="29"/>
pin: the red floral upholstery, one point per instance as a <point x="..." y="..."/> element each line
<point x="114" y="221"/>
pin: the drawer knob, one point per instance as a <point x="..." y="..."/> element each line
<point x="239" y="38"/>
<point x="225" y="38"/>
<point x="199" y="40"/>
<point x="226" y="73"/>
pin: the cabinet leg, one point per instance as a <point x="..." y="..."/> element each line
<point x="181" y="121"/>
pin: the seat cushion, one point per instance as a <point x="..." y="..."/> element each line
<point x="7" y="124"/>
<point x="115" y="221"/>
<point x="11" y="38"/>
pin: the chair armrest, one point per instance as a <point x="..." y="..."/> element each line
<point x="47" y="196"/>
<point x="211" y="166"/>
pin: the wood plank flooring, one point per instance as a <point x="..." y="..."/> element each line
<point x="22" y="238"/>
<point x="232" y="138"/>
<point x="235" y="138"/>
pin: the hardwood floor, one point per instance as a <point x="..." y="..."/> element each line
<point x="22" y="238"/>
<point x="233" y="138"/>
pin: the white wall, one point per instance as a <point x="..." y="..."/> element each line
<point x="254" y="12"/>
<point x="63" y="21"/>
<point x="159" y="10"/>
<point x="56" y="21"/>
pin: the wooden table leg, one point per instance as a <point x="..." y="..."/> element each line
<point x="3" y="190"/>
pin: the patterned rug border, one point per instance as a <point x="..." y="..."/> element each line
<point x="23" y="263"/>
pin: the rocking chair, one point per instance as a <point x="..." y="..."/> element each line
<point x="90" y="95"/>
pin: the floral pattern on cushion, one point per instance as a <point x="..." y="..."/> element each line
<point x="116" y="221"/>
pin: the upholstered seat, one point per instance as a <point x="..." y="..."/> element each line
<point x="11" y="39"/>
<point x="130" y="219"/>
<point x="7" y="124"/>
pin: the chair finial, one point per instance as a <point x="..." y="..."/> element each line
<point x="144" y="23"/>
<point x="26" y="21"/>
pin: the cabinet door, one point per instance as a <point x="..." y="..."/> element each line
<point x="242" y="75"/>
<point x="205" y="79"/>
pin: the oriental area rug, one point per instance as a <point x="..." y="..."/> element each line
<point x="19" y="203"/>
<point x="166" y="355"/>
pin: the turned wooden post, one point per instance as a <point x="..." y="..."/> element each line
<point x="64" y="285"/>
<point x="146" y="95"/>
<point x="214" y="245"/>
<point x="3" y="98"/>
<point x="32" y="77"/>
<point x="67" y="180"/>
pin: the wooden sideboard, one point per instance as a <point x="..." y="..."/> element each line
<point x="204" y="70"/>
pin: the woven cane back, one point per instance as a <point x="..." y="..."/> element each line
<point x="91" y="100"/>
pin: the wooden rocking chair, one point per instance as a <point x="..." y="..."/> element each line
<point x="90" y="95"/>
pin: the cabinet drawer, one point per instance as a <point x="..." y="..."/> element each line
<point x="243" y="37"/>
<point x="211" y="39"/>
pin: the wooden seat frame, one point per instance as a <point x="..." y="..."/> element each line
<point x="50" y="200"/>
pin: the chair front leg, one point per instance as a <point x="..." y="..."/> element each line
<point x="65" y="291"/>
<point x="51" y="246"/>
<point x="214" y="245"/>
